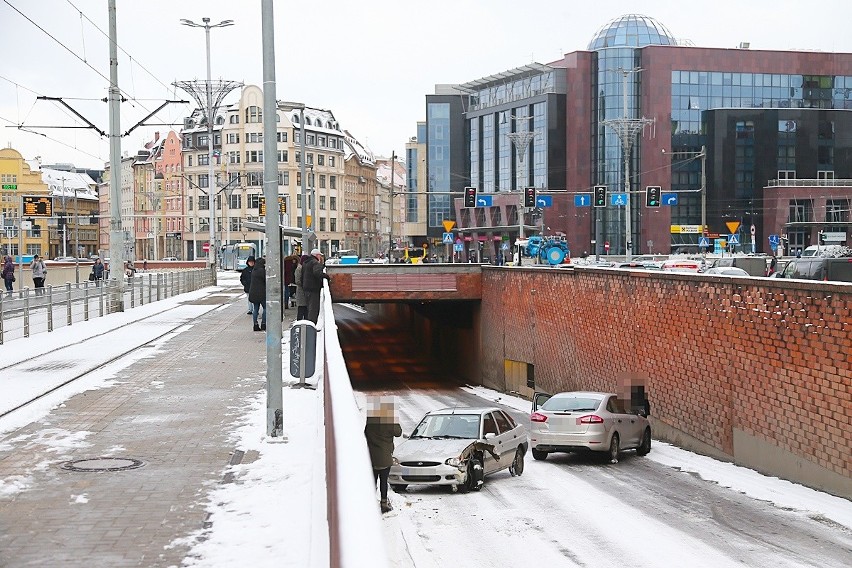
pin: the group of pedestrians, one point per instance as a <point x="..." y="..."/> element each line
<point x="37" y="268"/>
<point x="307" y="277"/>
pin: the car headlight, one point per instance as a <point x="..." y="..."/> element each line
<point x="455" y="462"/>
<point x="394" y="461"/>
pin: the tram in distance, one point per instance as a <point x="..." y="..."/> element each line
<point x="234" y="256"/>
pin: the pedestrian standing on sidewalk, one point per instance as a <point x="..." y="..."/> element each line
<point x="8" y="274"/>
<point x="313" y="271"/>
<point x="98" y="271"/>
<point x="301" y="300"/>
<point x="39" y="274"/>
<point x="382" y="427"/>
<point x="245" y="280"/>
<point x="257" y="293"/>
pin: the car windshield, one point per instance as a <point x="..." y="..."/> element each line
<point x="439" y="426"/>
<point x="572" y="404"/>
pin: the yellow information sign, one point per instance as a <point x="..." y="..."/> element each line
<point x="732" y="226"/>
<point x="448" y="225"/>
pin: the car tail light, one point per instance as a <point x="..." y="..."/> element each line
<point x="538" y="417"/>
<point x="590" y="419"/>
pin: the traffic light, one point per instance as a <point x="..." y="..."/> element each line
<point x="652" y="196"/>
<point x="822" y="237"/>
<point x="529" y="197"/>
<point x="600" y="196"/>
<point x="470" y="197"/>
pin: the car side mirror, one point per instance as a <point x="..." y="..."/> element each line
<point x="404" y="435"/>
<point x="490" y="435"/>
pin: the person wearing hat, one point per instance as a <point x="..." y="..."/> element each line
<point x="39" y="274"/>
<point x="245" y="280"/>
<point x="313" y="271"/>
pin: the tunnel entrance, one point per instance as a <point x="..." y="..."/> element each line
<point x="420" y="344"/>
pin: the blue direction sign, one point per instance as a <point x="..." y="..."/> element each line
<point x="618" y="199"/>
<point x="483" y="201"/>
<point x="458" y="247"/>
<point x="447" y="239"/>
<point x="583" y="200"/>
<point x="733" y="239"/>
<point x="669" y="199"/>
<point x="544" y="201"/>
<point x="703" y="242"/>
<point x="774" y="241"/>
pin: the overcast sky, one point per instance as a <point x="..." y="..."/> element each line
<point x="370" y="62"/>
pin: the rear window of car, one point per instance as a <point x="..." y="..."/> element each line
<point x="571" y="403"/>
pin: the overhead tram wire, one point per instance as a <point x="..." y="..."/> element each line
<point x="83" y="60"/>
<point x="24" y="129"/>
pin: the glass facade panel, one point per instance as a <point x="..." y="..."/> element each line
<point x="412" y="162"/>
<point x="439" y="162"/>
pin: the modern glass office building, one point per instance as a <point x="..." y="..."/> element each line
<point x="719" y="127"/>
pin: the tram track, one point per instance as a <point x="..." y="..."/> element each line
<point x="83" y="345"/>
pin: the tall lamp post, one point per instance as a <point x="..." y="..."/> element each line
<point x="521" y="141"/>
<point x="626" y="129"/>
<point x="210" y="111"/>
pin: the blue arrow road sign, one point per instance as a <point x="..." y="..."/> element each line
<point x="733" y="239"/>
<point x="703" y="242"/>
<point x="483" y="201"/>
<point x="544" y="201"/>
<point x="774" y="241"/>
<point x="583" y="200"/>
<point x="669" y="199"/>
<point x="447" y="239"/>
<point x="618" y="199"/>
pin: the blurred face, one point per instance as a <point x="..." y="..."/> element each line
<point x="382" y="408"/>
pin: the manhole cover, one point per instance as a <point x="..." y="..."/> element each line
<point x="102" y="464"/>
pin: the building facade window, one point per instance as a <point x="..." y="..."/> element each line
<point x="254" y="114"/>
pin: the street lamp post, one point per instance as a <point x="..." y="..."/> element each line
<point x="521" y="141"/>
<point x="211" y="253"/>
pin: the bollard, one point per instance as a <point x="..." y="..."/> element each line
<point x="150" y="278"/>
<point x="26" y="297"/>
<point x="86" y="301"/>
<point x="101" y="299"/>
<point x="132" y="292"/>
<point x="50" y="308"/>
<point x="68" y="298"/>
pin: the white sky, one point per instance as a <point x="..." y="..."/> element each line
<point x="371" y="62"/>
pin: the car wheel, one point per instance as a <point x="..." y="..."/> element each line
<point x="539" y="455"/>
<point x="614" y="449"/>
<point x="517" y="467"/>
<point x="399" y="487"/>
<point x="645" y="446"/>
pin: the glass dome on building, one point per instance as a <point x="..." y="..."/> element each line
<point x="632" y="30"/>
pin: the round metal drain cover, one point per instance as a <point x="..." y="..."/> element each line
<point x="102" y="464"/>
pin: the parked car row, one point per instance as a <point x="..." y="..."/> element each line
<point x="458" y="447"/>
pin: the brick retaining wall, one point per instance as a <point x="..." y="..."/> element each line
<point x="758" y="370"/>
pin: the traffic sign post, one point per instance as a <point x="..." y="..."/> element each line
<point x="206" y="247"/>
<point x="544" y="201"/>
<point x="583" y="200"/>
<point x="669" y="199"/>
<point x="618" y="199"/>
<point x="484" y="201"/>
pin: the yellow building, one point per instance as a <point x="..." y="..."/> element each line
<point x="20" y="183"/>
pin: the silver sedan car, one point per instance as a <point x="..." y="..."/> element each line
<point x="586" y="421"/>
<point x="457" y="447"/>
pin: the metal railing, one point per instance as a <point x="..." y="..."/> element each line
<point x="28" y="311"/>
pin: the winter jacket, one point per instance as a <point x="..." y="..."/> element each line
<point x="380" y="437"/>
<point x="289" y="263"/>
<point x="301" y="300"/>
<point x="312" y="274"/>
<point x="8" y="270"/>
<point x="98" y="270"/>
<point x="39" y="271"/>
<point x="257" y="291"/>
<point x="245" y="278"/>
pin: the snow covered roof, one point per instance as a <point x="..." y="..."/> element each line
<point x="353" y="147"/>
<point x="317" y="119"/>
<point x="57" y="179"/>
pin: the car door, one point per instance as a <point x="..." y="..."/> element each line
<point x="491" y="435"/>
<point x="508" y="437"/>
<point x="538" y="399"/>
<point x="627" y="424"/>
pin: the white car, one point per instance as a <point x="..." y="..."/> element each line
<point x="458" y="447"/>
<point x="727" y="271"/>
<point x="586" y="421"/>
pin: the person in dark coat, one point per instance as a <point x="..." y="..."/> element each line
<point x="313" y="271"/>
<point x="98" y="271"/>
<point x="382" y="427"/>
<point x="8" y="273"/>
<point x="257" y="293"/>
<point x="245" y="280"/>
<point x="301" y="300"/>
<point x="288" y="264"/>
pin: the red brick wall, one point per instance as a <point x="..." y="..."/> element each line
<point x="769" y="358"/>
